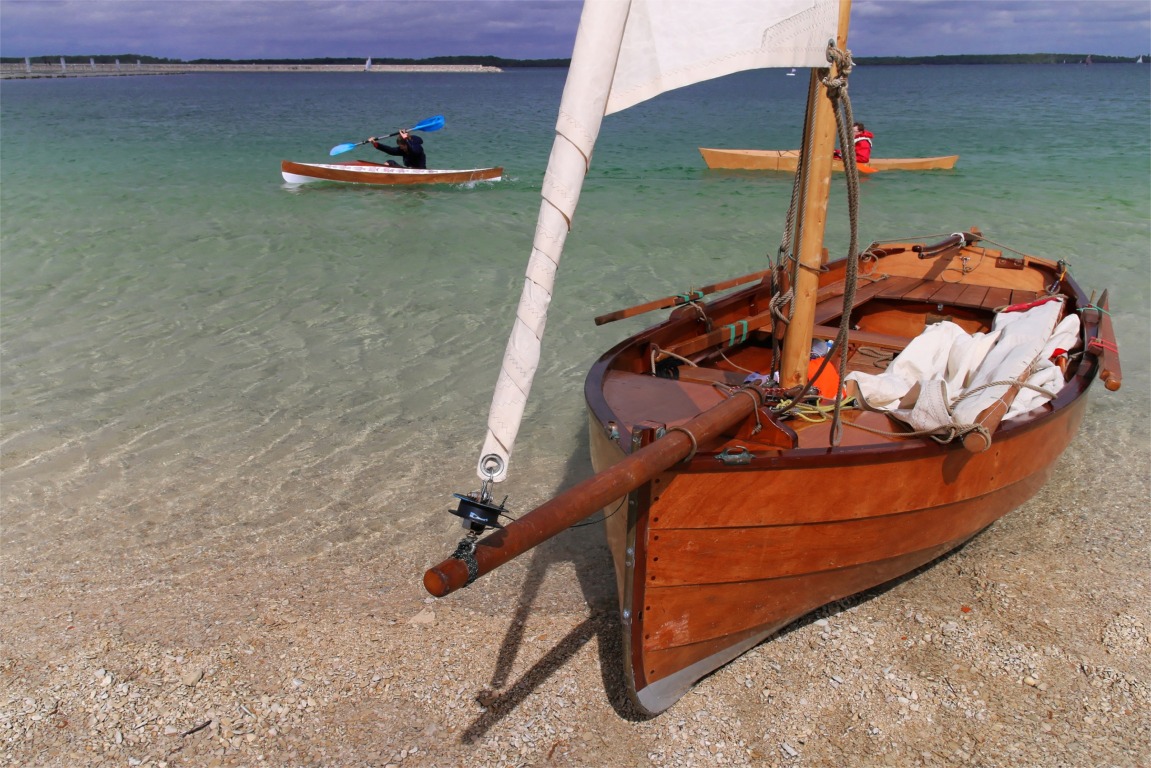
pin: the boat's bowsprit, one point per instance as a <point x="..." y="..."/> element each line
<point x="590" y="496"/>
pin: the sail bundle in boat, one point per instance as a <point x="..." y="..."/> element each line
<point x="926" y="385"/>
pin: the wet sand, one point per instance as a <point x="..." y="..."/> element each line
<point x="193" y="636"/>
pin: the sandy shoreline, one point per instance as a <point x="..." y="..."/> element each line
<point x="10" y="71"/>
<point x="196" y="643"/>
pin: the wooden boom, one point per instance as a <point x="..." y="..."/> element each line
<point x="595" y="493"/>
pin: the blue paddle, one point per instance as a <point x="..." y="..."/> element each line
<point x="431" y="124"/>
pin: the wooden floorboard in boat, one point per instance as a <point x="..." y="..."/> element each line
<point x="949" y="293"/>
<point x="832" y="307"/>
<point x="1023" y="297"/>
<point x="923" y="292"/>
<point x="997" y="298"/>
<point x="897" y="287"/>
<point x="973" y="296"/>
<point x="956" y="294"/>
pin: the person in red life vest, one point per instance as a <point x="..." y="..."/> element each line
<point x="862" y="138"/>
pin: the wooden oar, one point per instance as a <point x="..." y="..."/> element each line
<point x="674" y="301"/>
<point x="593" y="494"/>
<point x="1105" y="349"/>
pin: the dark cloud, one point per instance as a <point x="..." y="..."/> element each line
<point x="190" y="29"/>
<point x="527" y="29"/>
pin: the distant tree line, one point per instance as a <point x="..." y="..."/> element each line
<point x="99" y="58"/>
<point x="496" y="61"/>
<point x="488" y="61"/>
<point x="1004" y="58"/>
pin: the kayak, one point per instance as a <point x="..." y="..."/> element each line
<point x="363" y="172"/>
<point x="786" y="159"/>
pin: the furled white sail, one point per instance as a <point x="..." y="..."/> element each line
<point x="627" y="51"/>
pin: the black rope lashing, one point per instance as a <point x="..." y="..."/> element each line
<point x="466" y="551"/>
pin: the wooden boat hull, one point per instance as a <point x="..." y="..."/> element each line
<point x="787" y="160"/>
<point x="717" y="554"/>
<point x="363" y="172"/>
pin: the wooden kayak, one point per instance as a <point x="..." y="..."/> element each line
<point x="786" y="160"/>
<point x="363" y="172"/>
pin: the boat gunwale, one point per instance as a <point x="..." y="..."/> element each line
<point x="1075" y="386"/>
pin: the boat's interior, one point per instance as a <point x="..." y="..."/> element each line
<point x="692" y="362"/>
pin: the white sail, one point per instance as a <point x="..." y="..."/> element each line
<point x="627" y="51"/>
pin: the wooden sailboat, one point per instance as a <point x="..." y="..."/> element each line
<point x="750" y="489"/>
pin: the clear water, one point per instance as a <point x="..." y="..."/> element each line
<point x="187" y="341"/>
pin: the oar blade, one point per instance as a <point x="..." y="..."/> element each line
<point x="431" y="124"/>
<point x="342" y="148"/>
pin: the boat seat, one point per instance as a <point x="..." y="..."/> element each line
<point x="954" y="294"/>
<point x="863" y="338"/>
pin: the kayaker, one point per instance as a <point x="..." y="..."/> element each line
<point x="862" y="138"/>
<point x="408" y="146"/>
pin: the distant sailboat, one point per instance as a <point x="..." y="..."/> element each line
<point x="791" y="73"/>
<point x="1139" y="60"/>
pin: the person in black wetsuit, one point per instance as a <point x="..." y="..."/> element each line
<point x="408" y="146"/>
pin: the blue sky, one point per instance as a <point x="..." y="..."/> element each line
<point x="526" y="29"/>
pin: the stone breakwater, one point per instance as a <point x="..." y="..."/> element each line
<point x="9" y="71"/>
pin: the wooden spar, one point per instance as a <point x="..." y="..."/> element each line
<point x="673" y="301"/>
<point x="990" y="417"/>
<point x="595" y="493"/>
<point x="815" y="186"/>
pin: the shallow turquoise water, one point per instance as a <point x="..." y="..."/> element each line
<point x="183" y="335"/>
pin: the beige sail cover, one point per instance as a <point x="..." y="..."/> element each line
<point x="627" y="51"/>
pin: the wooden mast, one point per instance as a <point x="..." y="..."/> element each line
<point x="815" y="186"/>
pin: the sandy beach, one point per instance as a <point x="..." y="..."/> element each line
<point x="191" y="646"/>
